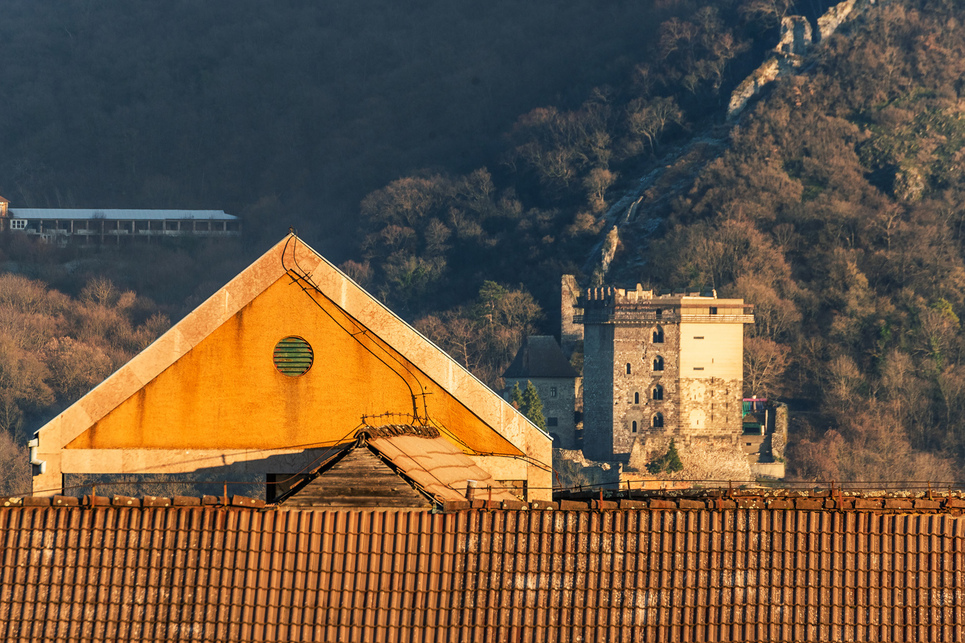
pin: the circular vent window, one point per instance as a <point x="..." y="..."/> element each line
<point x="293" y="356"/>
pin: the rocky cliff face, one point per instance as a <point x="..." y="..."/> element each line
<point x="795" y="36"/>
<point x="753" y="85"/>
<point x="796" y="40"/>
<point x="834" y="17"/>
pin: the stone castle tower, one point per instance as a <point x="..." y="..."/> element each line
<point x="669" y="365"/>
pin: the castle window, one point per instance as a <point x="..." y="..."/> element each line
<point x="657" y="364"/>
<point x="698" y="337"/>
<point x="658" y="392"/>
<point x="657" y="420"/>
<point x="552" y="391"/>
<point x="552" y="421"/>
<point x="628" y="368"/>
<point x="713" y="310"/>
<point x="636" y="398"/>
<point x="633" y="427"/>
<point x="658" y="335"/>
<point x="698" y="368"/>
<point x="659" y="313"/>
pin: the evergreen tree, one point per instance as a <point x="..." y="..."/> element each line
<point x="533" y="406"/>
<point x="516" y="398"/>
<point x="655" y="466"/>
<point x="672" y="463"/>
<point x="669" y="462"/>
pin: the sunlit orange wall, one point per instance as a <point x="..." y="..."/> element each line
<point x="227" y="394"/>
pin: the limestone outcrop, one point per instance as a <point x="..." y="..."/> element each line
<point x="796" y="40"/>
<point x="834" y="17"/>
<point x="752" y="86"/>
<point x="795" y="36"/>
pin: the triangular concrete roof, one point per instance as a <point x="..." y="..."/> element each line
<point x="115" y="427"/>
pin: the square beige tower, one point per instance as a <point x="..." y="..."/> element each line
<point x="668" y="365"/>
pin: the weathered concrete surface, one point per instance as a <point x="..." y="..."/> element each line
<point x="209" y="385"/>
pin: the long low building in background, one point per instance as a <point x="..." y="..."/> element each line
<point x="96" y="226"/>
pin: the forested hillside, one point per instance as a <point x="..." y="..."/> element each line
<point x="456" y="162"/>
<point x="834" y="205"/>
<point x="286" y="113"/>
<point x="289" y="114"/>
<point x="838" y="210"/>
<point x="53" y="349"/>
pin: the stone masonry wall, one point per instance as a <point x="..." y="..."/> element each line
<point x="597" y="391"/>
<point x="710" y="407"/>
<point x="571" y="334"/>
<point x="558" y="396"/>
<point x="633" y="394"/>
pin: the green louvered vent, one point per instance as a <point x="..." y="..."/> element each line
<point x="293" y="356"/>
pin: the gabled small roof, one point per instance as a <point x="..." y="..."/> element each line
<point x="540" y="356"/>
<point x="419" y="455"/>
<point x="432" y="462"/>
<point x="751" y="418"/>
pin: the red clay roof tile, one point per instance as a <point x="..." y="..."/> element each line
<point x="678" y="573"/>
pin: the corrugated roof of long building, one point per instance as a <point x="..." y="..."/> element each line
<point x="118" y="214"/>
<point x="742" y="574"/>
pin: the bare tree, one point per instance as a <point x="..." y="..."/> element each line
<point x="648" y="119"/>
<point x="764" y="364"/>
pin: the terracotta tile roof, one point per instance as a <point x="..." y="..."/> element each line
<point x="211" y="573"/>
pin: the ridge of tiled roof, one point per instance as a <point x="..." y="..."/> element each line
<point x="540" y="356"/>
<point x="898" y="503"/>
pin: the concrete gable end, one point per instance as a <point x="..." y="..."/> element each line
<point x="210" y="383"/>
